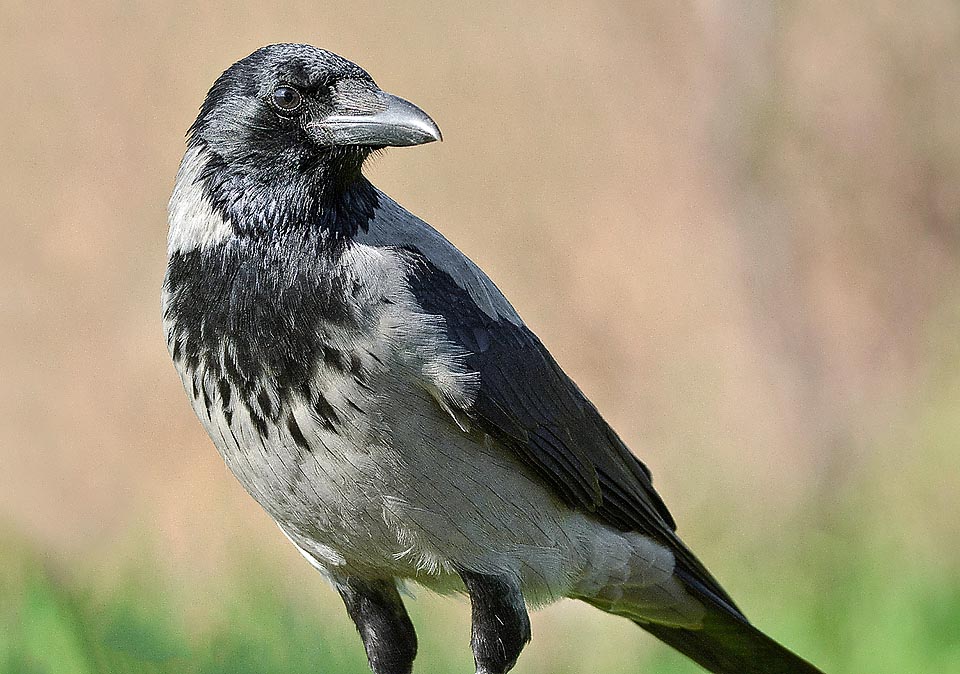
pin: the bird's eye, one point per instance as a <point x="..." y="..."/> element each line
<point x="287" y="99"/>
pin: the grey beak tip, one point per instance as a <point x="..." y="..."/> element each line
<point x="413" y="125"/>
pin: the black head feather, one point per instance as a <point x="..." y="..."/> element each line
<point x="264" y="170"/>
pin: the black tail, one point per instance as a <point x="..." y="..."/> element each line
<point x="726" y="643"/>
<point x="729" y="645"/>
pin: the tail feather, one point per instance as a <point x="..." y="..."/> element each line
<point x="728" y="645"/>
<point x="724" y="642"/>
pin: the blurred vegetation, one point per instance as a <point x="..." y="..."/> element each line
<point x="736" y="225"/>
<point x="55" y="627"/>
<point x="888" y="611"/>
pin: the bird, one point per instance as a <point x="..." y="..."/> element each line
<point x="375" y="392"/>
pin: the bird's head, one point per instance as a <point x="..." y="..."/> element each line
<point x="293" y="124"/>
<point x="296" y="105"/>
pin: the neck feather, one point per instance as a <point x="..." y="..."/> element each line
<point x="213" y="201"/>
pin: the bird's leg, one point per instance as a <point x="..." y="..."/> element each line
<point x="383" y="623"/>
<point x="501" y="626"/>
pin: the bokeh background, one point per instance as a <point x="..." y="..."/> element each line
<point x="736" y="225"/>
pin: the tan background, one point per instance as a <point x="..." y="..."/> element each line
<point x="735" y="224"/>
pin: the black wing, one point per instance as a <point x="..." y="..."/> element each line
<point x="530" y="405"/>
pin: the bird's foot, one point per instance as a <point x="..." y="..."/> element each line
<point x="501" y="626"/>
<point x="385" y="628"/>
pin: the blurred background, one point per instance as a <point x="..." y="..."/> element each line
<point x="735" y="224"/>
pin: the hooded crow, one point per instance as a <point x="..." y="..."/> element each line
<point x="375" y="392"/>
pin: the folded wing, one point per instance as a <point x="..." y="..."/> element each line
<point x="524" y="399"/>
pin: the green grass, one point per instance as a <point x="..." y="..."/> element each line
<point x="54" y="627"/>
<point x="849" y="603"/>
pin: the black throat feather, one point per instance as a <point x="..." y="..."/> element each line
<point x="244" y="312"/>
<point x="320" y="194"/>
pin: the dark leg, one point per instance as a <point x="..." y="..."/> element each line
<point x="383" y="623"/>
<point x="501" y="626"/>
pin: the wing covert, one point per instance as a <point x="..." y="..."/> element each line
<point x="529" y="404"/>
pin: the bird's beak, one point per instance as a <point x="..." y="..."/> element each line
<point x="395" y="123"/>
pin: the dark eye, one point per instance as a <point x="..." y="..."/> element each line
<point x="287" y="99"/>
